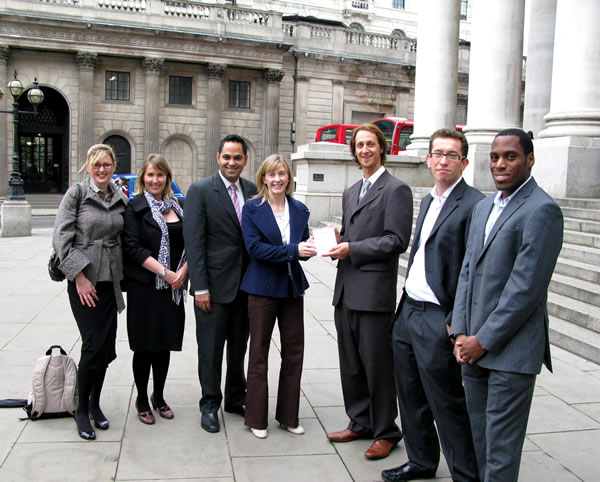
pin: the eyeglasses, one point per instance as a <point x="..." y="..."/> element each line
<point x="107" y="166"/>
<point x="451" y="156"/>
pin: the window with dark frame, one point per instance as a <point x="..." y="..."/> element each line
<point x="399" y="4"/>
<point x="180" y="90"/>
<point x="463" y="9"/>
<point x="117" y="85"/>
<point x="239" y="94"/>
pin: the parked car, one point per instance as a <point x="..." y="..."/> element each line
<point x="127" y="184"/>
<point x="336" y="133"/>
<point x="397" y="132"/>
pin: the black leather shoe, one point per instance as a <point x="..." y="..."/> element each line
<point x="210" y="422"/>
<point x="237" y="409"/>
<point x="85" y="430"/>
<point x="406" y="472"/>
<point x="100" y="421"/>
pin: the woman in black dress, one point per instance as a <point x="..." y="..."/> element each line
<point x="156" y="271"/>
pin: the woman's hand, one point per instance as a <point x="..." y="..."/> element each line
<point x="180" y="277"/>
<point x="86" y="291"/>
<point x="307" y="248"/>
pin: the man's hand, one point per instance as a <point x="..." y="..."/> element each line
<point x="470" y="350"/>
<point x="341" y="251"/>
<point x="203" y="302"/>
<point x="458" y="343"/>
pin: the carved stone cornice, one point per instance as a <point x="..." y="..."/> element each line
<point x="273" y="75"/>
<point x="4" y="52"/>
<point x="215" y="71"/>
<point x="86" y="60"/>
<point x="153" y="66"/>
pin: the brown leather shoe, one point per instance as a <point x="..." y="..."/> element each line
<point x="164" y="411"/>
<point x="145" y="417"/>
<point x="345" y="435"/>
<point x="380" y="449"/>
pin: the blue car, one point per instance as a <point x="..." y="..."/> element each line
<point x="128" y="187"/>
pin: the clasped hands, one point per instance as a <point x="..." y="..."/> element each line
<point x="467" y="349"/>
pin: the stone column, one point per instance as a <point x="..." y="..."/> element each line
<point x="153" y="68"/>
<point x="337" y="108"/>
<point x="495" y="78"/>
<point x="437" y="71"/>
<point x="4" y="105"/>
<point x="85" y="125"/>
<point x="271" y="112"/>
<point x="215" y="72"/>
<point x="402" y="101"/>
<point x="301" y="110"/>
<point x="540" y="48"/>
<point x="568" y="149"/>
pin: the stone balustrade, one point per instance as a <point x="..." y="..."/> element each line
<point x="123" y="5"/>
<point x="186" y="9"/>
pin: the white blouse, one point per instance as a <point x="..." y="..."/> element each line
<point x="283" y="222"/>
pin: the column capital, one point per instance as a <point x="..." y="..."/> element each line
<point x="274" y="75"/>
<point x="4" y="52"/>
<point x="462" y="99"/>
<point x="215" y="71"/>
<point x="301" y="78"/>
<point x="153" y="66"/>
<point x="86" y="60"/>
<point x="337" y="82"/>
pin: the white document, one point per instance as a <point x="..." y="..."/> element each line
<point x="324" y="240"/>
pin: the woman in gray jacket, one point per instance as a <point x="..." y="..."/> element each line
<point x="87" y="239"/>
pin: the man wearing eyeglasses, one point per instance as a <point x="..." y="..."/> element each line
<point x="428" y="376"/>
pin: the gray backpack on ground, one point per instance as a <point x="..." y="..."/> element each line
<point x="54" y="386"/>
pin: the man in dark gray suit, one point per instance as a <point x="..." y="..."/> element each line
<point x="500" y="320"/>
<point x="376" y="225"/>
<point x="428" y="377"/>
<point x="217" y="258"/>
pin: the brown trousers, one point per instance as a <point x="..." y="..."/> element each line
<point x="289" y="313"/>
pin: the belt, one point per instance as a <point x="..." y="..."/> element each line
<point x="421" y="305"/>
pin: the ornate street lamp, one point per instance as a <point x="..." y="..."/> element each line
<point x="16" y="212"/>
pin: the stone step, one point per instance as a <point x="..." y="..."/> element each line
<point x="574" y="311"/>
<point x="583" y="254"/>
<point x="590" y="240"/>
<point x="576" y="289"/>
<point x="576" y="339"/>
<point x="582" y="214"/>
<point x="592" y="227"/>
<point x="580" y="203"/>
<point x="576" y="269"/>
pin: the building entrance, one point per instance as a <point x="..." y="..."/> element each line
<point x="43" y="146"/>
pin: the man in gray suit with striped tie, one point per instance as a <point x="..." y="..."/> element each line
<point x="500" y="320"/>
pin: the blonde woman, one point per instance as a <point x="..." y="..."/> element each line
<point x="157" y="271"/>
<point x="87" y="239"/>
<point x="276" y="234"/>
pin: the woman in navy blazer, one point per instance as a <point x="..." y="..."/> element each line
<point x="276" y="234"/>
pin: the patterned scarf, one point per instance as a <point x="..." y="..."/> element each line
<point x="159" y="208"/>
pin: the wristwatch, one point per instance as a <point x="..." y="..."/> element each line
<point x="163" y="273"/>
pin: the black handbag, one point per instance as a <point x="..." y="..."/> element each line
<point x="55" y="273"/>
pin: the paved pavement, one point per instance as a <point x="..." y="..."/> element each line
<point x="563" y="441"/>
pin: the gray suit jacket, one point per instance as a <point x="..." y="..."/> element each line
<point x="378" y="230"/>
<point x="502" y="290"/>
<point x="214" y="244"/>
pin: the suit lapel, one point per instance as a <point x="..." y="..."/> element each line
<point x="265" y="221"/>
<point x="419" y="226"/>
<point x="450" y="205"/>
<point x="373" y="193"/>
<point x="225" y="199"/>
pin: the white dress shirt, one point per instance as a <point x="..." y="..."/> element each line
<point x="416" y="285"/>
<point x="499" y="205"/>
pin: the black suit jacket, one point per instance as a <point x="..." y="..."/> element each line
<point x="141" y="237"/>
<point x="446" y="245"/>
<point x="213" y="238"/>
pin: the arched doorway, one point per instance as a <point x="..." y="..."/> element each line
<point x="122" y="152"/>
<point x="43" y="144"/>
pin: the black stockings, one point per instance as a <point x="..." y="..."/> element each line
<point x="142" y="362"/>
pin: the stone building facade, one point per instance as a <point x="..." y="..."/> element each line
<point x="175" y="76"/>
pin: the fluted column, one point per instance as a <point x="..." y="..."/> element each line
<point x="575" y="99"/>
<point x="495" y="76"/>
<point x="337" y="107"/>
<point x="153" y="68"/>
<point x="437" y="70"/>
<point x="215" y="72"/>
<point x="271" y="112"/>
<point x="301" y="110"/>
<point x="4" y="105"/>
<point x="538" y="80"/>
<point x="85" y="125"/>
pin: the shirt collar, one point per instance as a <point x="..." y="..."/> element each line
<point x="229" y="183"/>
<point x="446" y="193"/>
<point x="498" y="201"/>
<point x="376" y="175"/>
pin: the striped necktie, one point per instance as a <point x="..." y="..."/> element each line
<point x="234" y="199"/>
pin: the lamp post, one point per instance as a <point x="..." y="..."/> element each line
<point x="16" y="211"/>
